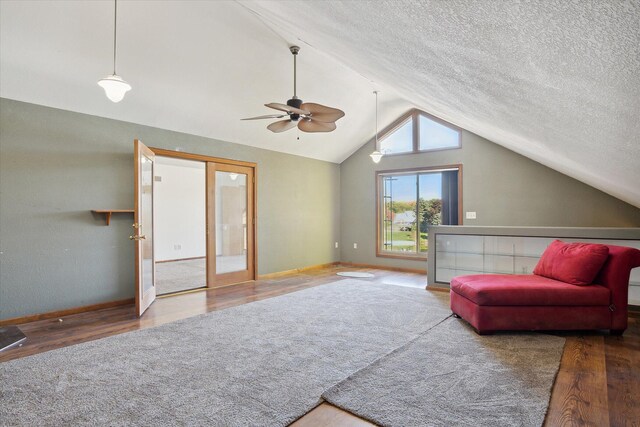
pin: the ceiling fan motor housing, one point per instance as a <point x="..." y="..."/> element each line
<point x="294" y="102"/>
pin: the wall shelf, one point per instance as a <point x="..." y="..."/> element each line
<point x="107" y="212"/>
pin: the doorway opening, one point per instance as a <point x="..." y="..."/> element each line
<point x="180" y="224"/>
<point x="194" y="222"/>
<point x="203" y="226"/>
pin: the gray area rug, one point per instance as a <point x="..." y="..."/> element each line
<point x="263" y="363"/>
<point x="450" y="376"/>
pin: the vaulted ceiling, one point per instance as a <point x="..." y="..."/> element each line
<point x="554" y="80"/>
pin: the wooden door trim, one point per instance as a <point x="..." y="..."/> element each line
<point x="200" y="157"/>
<point x="210" y="202"/>
<point x="140" y="149"/>
<point x="252" y="258"/>
<point x="210" y="186"/>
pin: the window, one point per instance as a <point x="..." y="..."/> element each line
<point x="437" y="136"/>
<point x="409" y="202"/>
<point x="417" y="131"/>
<point x="400" y="140"/>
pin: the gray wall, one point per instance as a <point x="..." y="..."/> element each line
<point x="504" y="188"/>
<point x="55" y="166"/>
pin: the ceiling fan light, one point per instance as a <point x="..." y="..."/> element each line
<point x="376" y="156"/>
<point x="114" y="87"/>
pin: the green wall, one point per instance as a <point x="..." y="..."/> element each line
<point x="502" y="187"/>
<point x="55" y="166"/>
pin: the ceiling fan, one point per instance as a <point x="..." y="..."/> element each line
<point x="308" y="116"/>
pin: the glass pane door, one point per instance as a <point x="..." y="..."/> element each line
<point x="231" y="222"/>
<point x="143" y="226"/>
<point x="146" y="222"/>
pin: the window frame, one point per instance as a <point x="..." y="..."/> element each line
<point x="418" y="256"/>
<point x="414" y="115"/>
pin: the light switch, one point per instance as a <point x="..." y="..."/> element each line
<point x="471" y="215"/>
<point x="355" y="246"/>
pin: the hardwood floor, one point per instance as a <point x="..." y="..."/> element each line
<point x="327" y="415"/>
<point x="598" y="383"/>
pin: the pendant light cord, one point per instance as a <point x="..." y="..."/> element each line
<point x="376" y="92"/>
<point x="115" y="33"/>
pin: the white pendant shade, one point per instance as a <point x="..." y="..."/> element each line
<point x="114" y="87"/>
<point x="376" y="156"/>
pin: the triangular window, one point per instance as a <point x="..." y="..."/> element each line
<point x="418" y="131"/>
<point x="400" y="140"/>
<point x="435" y="135"/>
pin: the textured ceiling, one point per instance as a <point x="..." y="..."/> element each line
<point x="555" y="80"/>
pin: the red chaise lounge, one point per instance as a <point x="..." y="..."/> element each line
<point x="493" y="302"/>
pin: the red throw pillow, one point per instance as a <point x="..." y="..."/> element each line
<point x="575" y="263"/>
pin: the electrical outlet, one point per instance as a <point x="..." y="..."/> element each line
<point x="177" y="247"/>
<point x="355" y="246"/>
<point x="471" y="215"/>
<point x="336" y="245"/>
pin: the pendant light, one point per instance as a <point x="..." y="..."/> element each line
<point x="114" y="86"/>
<point x="376" y="156"/>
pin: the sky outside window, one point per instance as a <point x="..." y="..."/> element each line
<point x="404" y="187"/>
<point x="400" y="141"/>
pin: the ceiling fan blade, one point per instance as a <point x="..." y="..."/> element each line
<point x="281" y="126"/>
<point x="310" y="125"/>
<point x="322" y="113"/>
<point x="287" y="108"/>
<point x="269" y="116"/>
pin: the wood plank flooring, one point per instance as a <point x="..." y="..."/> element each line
<point x="598" y="383"/>
<point x="327" y="415"/>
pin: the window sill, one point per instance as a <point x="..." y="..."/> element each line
<point x="402" y="256"/>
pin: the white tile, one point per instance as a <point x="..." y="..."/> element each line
<point x="525" y="265"/>
<point x="634" y="295"/>
<point x="445" y="275"/>
<point x="445" y="260"/>
<point x="473" y="244"/>
<point x="467" y="261"/>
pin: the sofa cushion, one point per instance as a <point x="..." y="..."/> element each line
<point x="575" y="263"/>
<point x="523" y="290"/>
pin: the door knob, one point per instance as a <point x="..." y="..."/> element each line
<point x="137" y="237"/>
